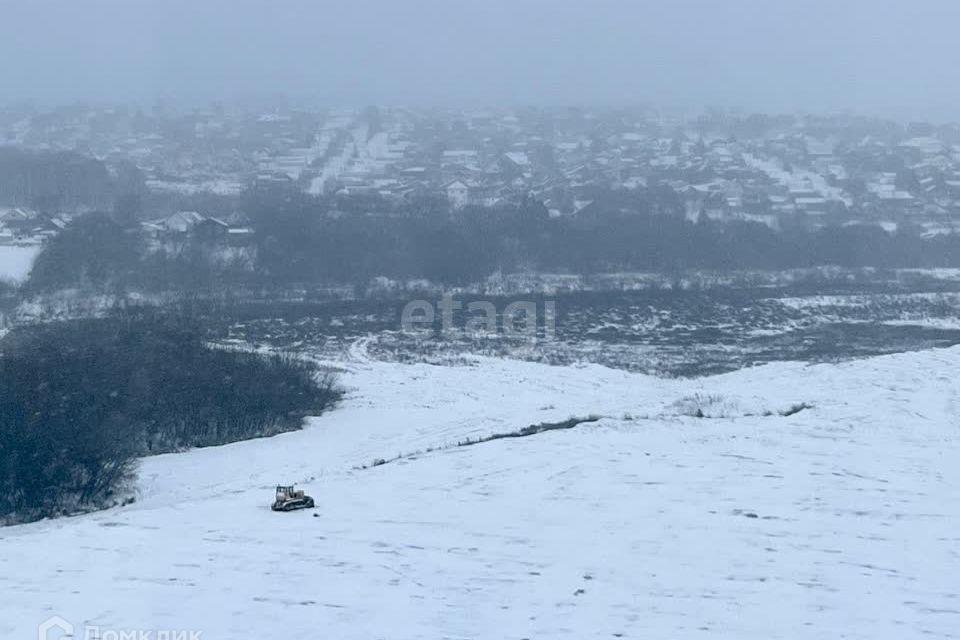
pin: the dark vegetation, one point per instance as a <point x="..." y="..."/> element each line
<point x="795" y="409"/>
<point x="80" y="400"/>
<point x="48" y="181"/>
<point x="95" y="252"/>
<point x="301" y="240"/>
<point x="525" y="432"/>
<point x="532" y="430"/>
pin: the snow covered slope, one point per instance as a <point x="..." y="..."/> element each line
<point x="840" y="520"/>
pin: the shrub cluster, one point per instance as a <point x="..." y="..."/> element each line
<point x="80" y="400"/>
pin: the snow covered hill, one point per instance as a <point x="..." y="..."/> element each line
<point x="841" y="519"/>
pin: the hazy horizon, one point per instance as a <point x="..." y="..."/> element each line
<point x="875" y="57"/>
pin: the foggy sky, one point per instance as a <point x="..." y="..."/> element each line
<point x="891" y="57"/>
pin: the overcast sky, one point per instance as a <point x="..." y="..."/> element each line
<point x="894" y="57"/>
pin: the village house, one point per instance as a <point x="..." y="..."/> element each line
<point x="181" y="221"/>
<point x="458" y="194"/>
<point x="19" y="221"/>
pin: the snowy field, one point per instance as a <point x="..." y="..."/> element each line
<point x="16" y="261"/>
<point x="839" y="521"/>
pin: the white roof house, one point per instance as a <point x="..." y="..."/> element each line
<point x="182" y="221"/>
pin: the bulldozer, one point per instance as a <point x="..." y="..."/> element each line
<point x="290" y="498"/>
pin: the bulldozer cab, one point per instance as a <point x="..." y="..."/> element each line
<point x="287" y="492"/>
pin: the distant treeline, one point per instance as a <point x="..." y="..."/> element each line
<point x="80" y="400"/>
<point x="52" y="181"/>
<point x="304" y="240"/>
